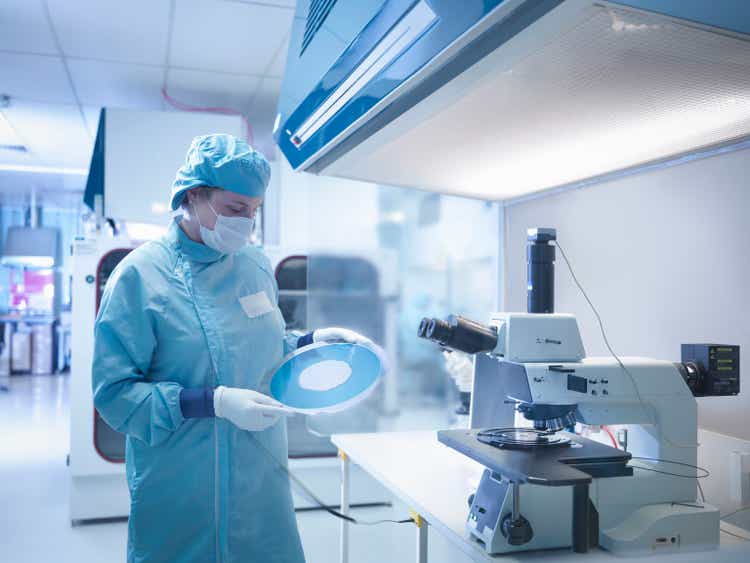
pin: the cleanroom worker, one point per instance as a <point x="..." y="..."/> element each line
<point x="188" y="327"/>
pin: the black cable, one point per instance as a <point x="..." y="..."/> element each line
<point x="700" y="488"/>
<point x="706" y="472"/>
<point x="732" y="534"/>
<point x="609" y="347"/>
<point x="740" y="509"/>
<point x="312" y="497"/>
<point x="687" y="504"/>
<point x="601" y="328"/>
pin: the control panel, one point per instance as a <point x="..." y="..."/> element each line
<point x="711" y="369"/>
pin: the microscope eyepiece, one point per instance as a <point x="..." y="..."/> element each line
<point x="459" y="333"/>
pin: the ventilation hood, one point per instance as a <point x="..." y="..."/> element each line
<point x="498" y="99"/>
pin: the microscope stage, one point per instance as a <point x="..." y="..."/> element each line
<point x="527" y="456"/>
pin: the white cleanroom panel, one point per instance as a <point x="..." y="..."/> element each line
<point x="143" y="151"/>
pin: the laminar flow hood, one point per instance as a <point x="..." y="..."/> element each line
<point x="497" y="99"/>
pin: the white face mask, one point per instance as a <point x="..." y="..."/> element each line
<point x="229" y="234"/>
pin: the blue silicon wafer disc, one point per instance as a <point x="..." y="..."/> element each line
<point x="326" y="377"/>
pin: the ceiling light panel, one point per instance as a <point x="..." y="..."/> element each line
<point x="8" y="135"/>
<point x="54" y="134"/>
<point x="616" y="89"/>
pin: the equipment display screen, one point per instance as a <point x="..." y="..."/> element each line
<point x="578" y="384"/>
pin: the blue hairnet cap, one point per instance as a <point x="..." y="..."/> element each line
<point x="221" y="161"/>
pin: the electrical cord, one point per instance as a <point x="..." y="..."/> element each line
<point x="611" y="436"/>
<point x="740" y="509"/>
<point x="733" y="534"/>
<point x="689" y="505"/>
<point x="312" y="497"/>
<point x="642" y="403"/>
<point x="700" y="488"/>
<point x="706" y="472"/>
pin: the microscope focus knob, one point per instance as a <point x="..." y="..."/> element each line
<point x="518" y="531"/>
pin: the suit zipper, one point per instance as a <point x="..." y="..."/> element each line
<point x="185" y="276"/>
<point x="217" y="508"/>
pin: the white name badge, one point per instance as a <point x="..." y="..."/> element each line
<point x="256" y="304"/>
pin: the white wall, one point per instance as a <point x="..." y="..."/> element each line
<point x="665" y="256"/>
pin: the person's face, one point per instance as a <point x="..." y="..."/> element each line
<point x="225" y="203"/>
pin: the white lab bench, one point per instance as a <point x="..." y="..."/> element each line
<point x="435" y="482"/>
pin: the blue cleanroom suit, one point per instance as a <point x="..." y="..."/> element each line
<point x="201" y="489"/>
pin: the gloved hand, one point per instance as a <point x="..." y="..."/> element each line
<point x="247" y="409"/>
<point x="460" y="367"/>
<point x="336" y="334"/>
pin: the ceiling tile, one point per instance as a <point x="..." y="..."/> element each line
<point x="91" y="116"/>
<point x="132" y="31"/>
<point x="54" y="133"/>
<point x="40" y="78"/>
<point x="267" y="97"/>
<point x="210" y="89"/>
<point x="234" y="36"/>
<point x="117" y="84"/>
<point x="278" y="64"/>
<point x="263" y="114"/>
<point x="24" y="27"/>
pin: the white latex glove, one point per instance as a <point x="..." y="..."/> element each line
<point x="336" y="334"/>
<point x="247" y="409"/>
<point x="460" y="366"/>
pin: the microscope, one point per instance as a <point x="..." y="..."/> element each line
<point x="546" y="486"/>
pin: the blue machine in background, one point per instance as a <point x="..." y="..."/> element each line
<point x="357" y="69"/>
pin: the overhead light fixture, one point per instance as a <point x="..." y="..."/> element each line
<point x="610" y="91"/>
<point x="15" y="148"/>
<point x="36" y="262"/>
<point x="31" y="247"/>
<point x="8" y="135"/>
<point x="43" y="169"/>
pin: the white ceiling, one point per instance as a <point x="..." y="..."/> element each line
<point x="62" y="60"/>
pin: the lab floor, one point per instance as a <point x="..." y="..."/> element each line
<point x="34" y="523"/>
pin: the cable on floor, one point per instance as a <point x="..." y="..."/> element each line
<point x="733" y="534"/>
<point x="740" y="509"/>
<point x="313" y="498"/>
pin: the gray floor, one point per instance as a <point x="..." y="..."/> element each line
<point x="34" y="524"/>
